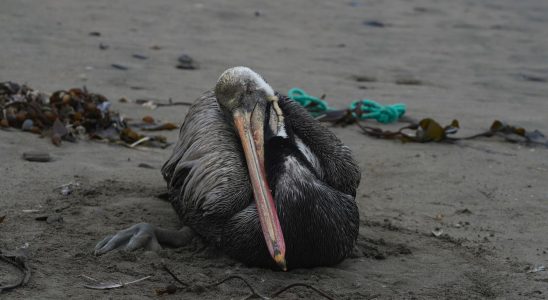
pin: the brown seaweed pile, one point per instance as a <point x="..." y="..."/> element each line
<point x="68" y="115"/>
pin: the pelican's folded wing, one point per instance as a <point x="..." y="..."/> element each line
<point x="339" y="169"/>
<point x="206" y="174"/>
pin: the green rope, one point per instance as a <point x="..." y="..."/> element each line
<point x="369" y="108"/>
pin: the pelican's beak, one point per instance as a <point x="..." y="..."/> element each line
<point x="250" y="126"/>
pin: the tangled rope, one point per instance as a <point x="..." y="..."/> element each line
<point x="369" y="109"/>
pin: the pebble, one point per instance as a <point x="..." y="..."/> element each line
<point x="145" y="166"/>
<point x="374" y="24"/>
<point x="56" y="218"/>
<point x="27" y="125"/>
<point x="408" y="81"/>
<point x="37" y="156"/>
<point x="186" y="63"/>
<point x="119" y="67"/>
<point x="139" y="56"/>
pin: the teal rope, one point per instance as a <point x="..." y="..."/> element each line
<point x="371" y="109"/>
<point x="314" y="105"/>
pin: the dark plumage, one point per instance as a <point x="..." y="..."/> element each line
<point x="312" y="176"/>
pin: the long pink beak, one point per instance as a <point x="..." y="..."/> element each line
<point x="251" y="131"/>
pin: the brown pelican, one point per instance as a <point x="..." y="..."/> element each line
<point x="254" y="174"/>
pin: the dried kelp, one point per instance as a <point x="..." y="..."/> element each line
<point x="69" y="115"/>
<point x="170" y="289"/>
<point x="428" y="130"/>
<point x="96" y="285"/>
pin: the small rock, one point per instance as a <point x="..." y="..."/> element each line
<point x="119" y="67"/>
<point x="170" y="289"/>
<point x="464" y="211"/>
<point x="56" y="139"/>
<point x="37" y="156"/>
<point x="145" y="166"/>
<point x="377" y="24"/>
<point x="95" y="33"/>
<point x="437" y="232"/>
<point x="148" y="119"/>
<point x="139" y="56"/>
<point x="364" y="78"/>
<point x="186" y="63"/>
<point x="408" y="81"/>
<point x="27" y="125"/>
<point x="66" y="190"/>
<point x="532" y="78"/>
<point x="56" y="218"/>
<point x="103" y="46"/>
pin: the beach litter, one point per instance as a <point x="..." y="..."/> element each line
<point x="70" y="115"/>
<point x="425" y="130"/>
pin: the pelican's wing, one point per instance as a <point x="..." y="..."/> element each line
<point x="338" y="168"/>
<point x="206" y="174"/>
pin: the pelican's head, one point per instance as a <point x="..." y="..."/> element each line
<point x="244" y="95"/>
<point x="241" y="87"/>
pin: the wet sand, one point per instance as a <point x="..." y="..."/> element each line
<point x="475" y="62"/>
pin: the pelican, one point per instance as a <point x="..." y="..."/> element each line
<point x="255" y="175"/>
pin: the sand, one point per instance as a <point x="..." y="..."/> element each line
<point x="476" y="61"/>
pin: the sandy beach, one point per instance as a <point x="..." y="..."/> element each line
<point x="475" y="61"/>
